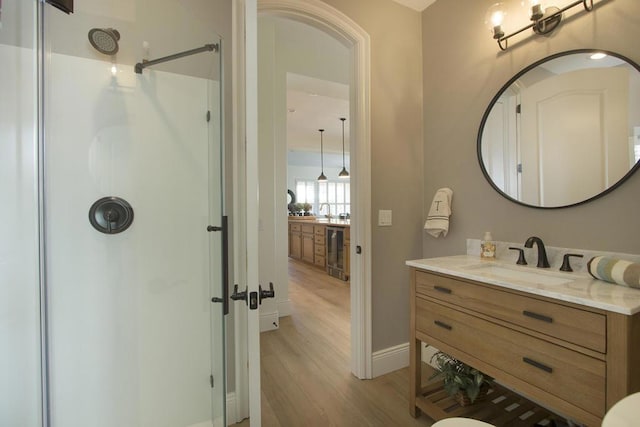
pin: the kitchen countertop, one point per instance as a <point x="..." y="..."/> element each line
<point x="322" y="221"/>
<point x="580" y="288"/>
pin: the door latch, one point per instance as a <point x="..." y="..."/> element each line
<point x="238" y="296"/>
<point x="267" y="294"/>
<point x="253" y="299"/>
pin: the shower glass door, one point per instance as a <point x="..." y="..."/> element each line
<point x="132" y="172"/>
<point x="20" y="387"/>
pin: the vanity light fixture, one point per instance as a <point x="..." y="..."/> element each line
<point x="544" y="20"/>
<point x="322" y="176"/>
<point x="494" y="19"/>
<point x="343" y="173"/>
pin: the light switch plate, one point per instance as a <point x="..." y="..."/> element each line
<point x="384" y="218"/>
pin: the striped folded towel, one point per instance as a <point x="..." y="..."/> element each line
<point x="438" y="218"/>
<point x="615" y="270"/>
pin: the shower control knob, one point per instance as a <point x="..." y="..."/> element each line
<point x="111" y="215"/>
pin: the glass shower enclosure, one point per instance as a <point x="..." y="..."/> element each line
<point x="111" y="271"/>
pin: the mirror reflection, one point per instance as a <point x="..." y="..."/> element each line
<point x="564" y="130"/>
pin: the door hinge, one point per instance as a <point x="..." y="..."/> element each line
<point x="518" y="108"/>
<point x="211" y="380"/>
<point x="519" y="167"/>
<point x="208" y="116"/>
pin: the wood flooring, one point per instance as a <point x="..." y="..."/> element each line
<point x="306" y="379"/>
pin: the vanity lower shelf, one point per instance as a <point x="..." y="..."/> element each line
<point x="501" y="407"/>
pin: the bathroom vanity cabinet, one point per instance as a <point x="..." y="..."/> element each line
<point x="573" y="359"/>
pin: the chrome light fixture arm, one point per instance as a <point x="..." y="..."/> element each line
<point x="546" y="23"/>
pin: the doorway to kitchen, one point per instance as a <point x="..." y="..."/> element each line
<point x="273" y="131"/>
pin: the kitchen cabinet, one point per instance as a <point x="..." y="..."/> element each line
<point x="308" y="238"/>
<point x="295" y="241"/>
<point x="308" y="242"/>
<point x="320" y="248"/>
<point x="347" y="253"/>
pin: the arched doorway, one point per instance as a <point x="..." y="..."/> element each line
<point x="338" y="25"/>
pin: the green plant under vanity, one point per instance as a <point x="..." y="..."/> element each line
<point x="459" y="378"/>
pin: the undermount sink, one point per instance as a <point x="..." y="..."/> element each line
<point x="504" y="272"/>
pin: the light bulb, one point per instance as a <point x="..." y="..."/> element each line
<point x="494" y="19"/>
<point x="537" y="9"/>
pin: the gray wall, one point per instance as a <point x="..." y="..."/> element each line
<point x="396" y="157"/>
<point x="462" y="72"/>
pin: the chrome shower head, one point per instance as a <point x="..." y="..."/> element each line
<point x="104" y="40"/>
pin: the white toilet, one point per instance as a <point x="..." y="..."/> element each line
<point x="624" y="413"/>
<point x="461" y="422"/>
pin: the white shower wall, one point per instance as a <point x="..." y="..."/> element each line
<point x="130" y="314"/>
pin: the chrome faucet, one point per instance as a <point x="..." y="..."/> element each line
<point x="543" y="262"/>
<point x="328" y="215"/>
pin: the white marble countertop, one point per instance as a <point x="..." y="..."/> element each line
<point x="580" y="288"/>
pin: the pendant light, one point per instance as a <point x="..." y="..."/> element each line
<point x="322" y="177"/>
<point x="343" y="173"/>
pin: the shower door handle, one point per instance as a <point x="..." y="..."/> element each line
<point x="225" y="263"/>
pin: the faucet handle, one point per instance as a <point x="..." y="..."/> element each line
<point x="565" y="261"/>
<point x="521" y="259"/>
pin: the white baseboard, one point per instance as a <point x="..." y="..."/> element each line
<point x="232" y="409"/>
<point x="390" y="359"/>
<point x="427" y="352"/>
<point x="269" y="321"/>
<point x="284" y="308"/>
<point x="397" y="357"/>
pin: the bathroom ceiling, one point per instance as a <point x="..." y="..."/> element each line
<point x="418" y="5"/>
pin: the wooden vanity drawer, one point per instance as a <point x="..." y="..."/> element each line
<point x="551" y="368"/>
<point x="319" y="250"/>
<point x="319" y="230"/>
<point x="581" y="327"/>
<point x="319" y="240"/>
<point x="307" y="228"/>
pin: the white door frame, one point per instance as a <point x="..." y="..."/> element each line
<point x="238" y="404"/>
<point x="335" y="23"/>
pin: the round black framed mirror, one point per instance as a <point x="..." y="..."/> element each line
<point x="564" y="130"/>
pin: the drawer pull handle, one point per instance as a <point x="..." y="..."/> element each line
<point x="537" y="364"/>
<point x="538" y="316"/>
<point x="442" y="325"/>
<point x="443" y="290"/>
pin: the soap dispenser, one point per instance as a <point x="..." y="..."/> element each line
<point x="487" y="247"/>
